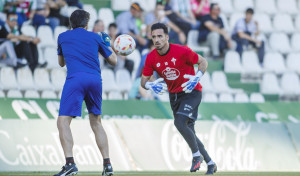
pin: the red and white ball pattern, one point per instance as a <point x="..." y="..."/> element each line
<point x="124" y="45"/>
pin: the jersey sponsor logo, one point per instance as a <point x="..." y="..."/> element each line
<point x="171" y="73"/>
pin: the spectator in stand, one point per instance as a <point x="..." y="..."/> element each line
<point x="158" y="15"/>
<point x="213" y="34"/>
<point x="56" y="6"/>
<point x="127" y="24"/>
<point x="8" y="54"/>
<point x="112" y="32"/>
<point x="98" y="26"/>
<point x="246" y="34"/>
<point x="25" y="46"/>
<point x="41" y="15"/>
<point x="200" y="8"/>
<point x="75" y="3"/>
<point x="23" y="8"/>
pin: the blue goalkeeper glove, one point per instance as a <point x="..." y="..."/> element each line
<point x="156" y="86"/>
<point x="192" y="82"/>
<point x="106" y="38"/>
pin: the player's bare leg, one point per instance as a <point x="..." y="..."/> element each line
<point x="102" y="142"/>
<point x="66" y="140"/>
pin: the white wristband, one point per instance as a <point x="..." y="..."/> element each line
<point x="199" y="74"/>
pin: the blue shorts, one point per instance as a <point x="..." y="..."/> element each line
<point x="78" y="87"/>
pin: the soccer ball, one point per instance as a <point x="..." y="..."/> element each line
<point x="124" y="45"/>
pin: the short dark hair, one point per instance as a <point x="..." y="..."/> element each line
<point x="112" y="25"/>
<point x="212" y="5"/>
<point x="250" y="10"/>
<point x="10" y="13"/>
<point x="79" y="18"/>
<point x="150" y="44"/>
<point x="160" y="26"/>
<point x="97" y="21"/>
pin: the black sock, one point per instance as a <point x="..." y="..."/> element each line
<point x="106" y="161"/>
<point x="69" y="160"/>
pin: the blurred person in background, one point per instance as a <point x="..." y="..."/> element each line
<point x="200" y="8"/>
<point x="41" y="15"/>
<point x="158" y="15"/>
<point x="128" y="23"/>
<point x="213" y="34"/>
<point x="75" y="3"/>
<point x="98" y="26"/>
<point x="57" y="8"/>
<point x="113" y="31"/>
<point x="246" y="34"/>
<point x="25" y="46"/>
<point x="23" y="8"/>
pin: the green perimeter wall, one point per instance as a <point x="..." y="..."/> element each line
<point x="134" y="109"/>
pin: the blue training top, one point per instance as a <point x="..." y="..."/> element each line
<point x="80" y="49"/>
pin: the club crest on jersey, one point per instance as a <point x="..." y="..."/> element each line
<point x="171" y="73"/>
<point x="158" y="64"/>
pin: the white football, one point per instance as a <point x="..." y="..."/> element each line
<point x="124" y="45"/>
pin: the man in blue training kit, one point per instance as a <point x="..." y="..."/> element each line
<point x="78" y="50"/>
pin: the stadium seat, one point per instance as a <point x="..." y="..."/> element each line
<point x="41" y="79"/>
<point x="266" y="6"/>
<point x="290" y="83"/>
<point x="58" y="77"/>
<point x="93" y="14"/>
<point x="280" y="42"/>
<point x="115" y="95"/>
<point x="28" y="30"/>
<point x="269" y="84"/>
<point x="107" y="16"/>
<point x="59" y="94"/>
<point x="225" y="5"/>
<point x="104" y="96"/>
<point x="14" y="94"/>
<point x="46" y="35"/>
<point x="70" y="10"/>
<point x="2" y="95"/>
<point x="58" y="30"/>
<point x="205" y="81"/>
<point x="243" y="5"/>
<point x="118" y="5"/>
<point x="241" y="98"/>
<point x="25" y="78"/>
<point x="264" y="22"/>
<point x="123" y="80"/>
<point x="164" y="97"/>
<point x="108" y="80"/>
<point x="293" y="62"/>
<point x="250" y="62"/>
<point x="257" y="98"/>
<point x="226" y="98"/>
<point x="274" y="62"/>
<point x="295" y="42"/>
<point x="287" y="6"/>
<point x="234" y="17"/>
<point x="31" y="94"/>
<point x="219" y="82"/>
<point x="48" y="94"/>
<point x="135" y="56"/>
<point x="232" y="62"/>
<point x="8" y="78"/>
<point x="50" y="55"/>
<point x="225" y="22"/>
<point x="192" y="42"/>
<point x="297" y="22"/>
<point x="210" y="98"/>
<point x="283" y="23"/>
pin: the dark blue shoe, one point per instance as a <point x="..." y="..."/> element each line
<point x="68" y="170"/>
<point x="107" y="170"/>
<point x="211" y="169"/>
<point x="196" y="163"/>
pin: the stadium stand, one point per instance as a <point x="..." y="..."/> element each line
<point x="31" y="94"/>
<point x="243" y="5"/>
<point x="241" y="98"/>
<point x="232" y="62"/>
<point x="266" y="6"/>
<point x="274" y="62"/>
<point x="14" y="94"/>
<point x="210" y="98"/>
<point x="25" y="79"/>
<point x="257" y="98"/>
<point x="226" y="98"/>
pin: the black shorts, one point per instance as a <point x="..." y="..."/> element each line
<point x="186" y="103"/>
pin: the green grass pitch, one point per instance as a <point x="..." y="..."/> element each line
<point x="157" y="174"/>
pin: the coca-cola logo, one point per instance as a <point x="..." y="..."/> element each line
<point x="171" y="73"/>
<point x="226" y="143"/>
